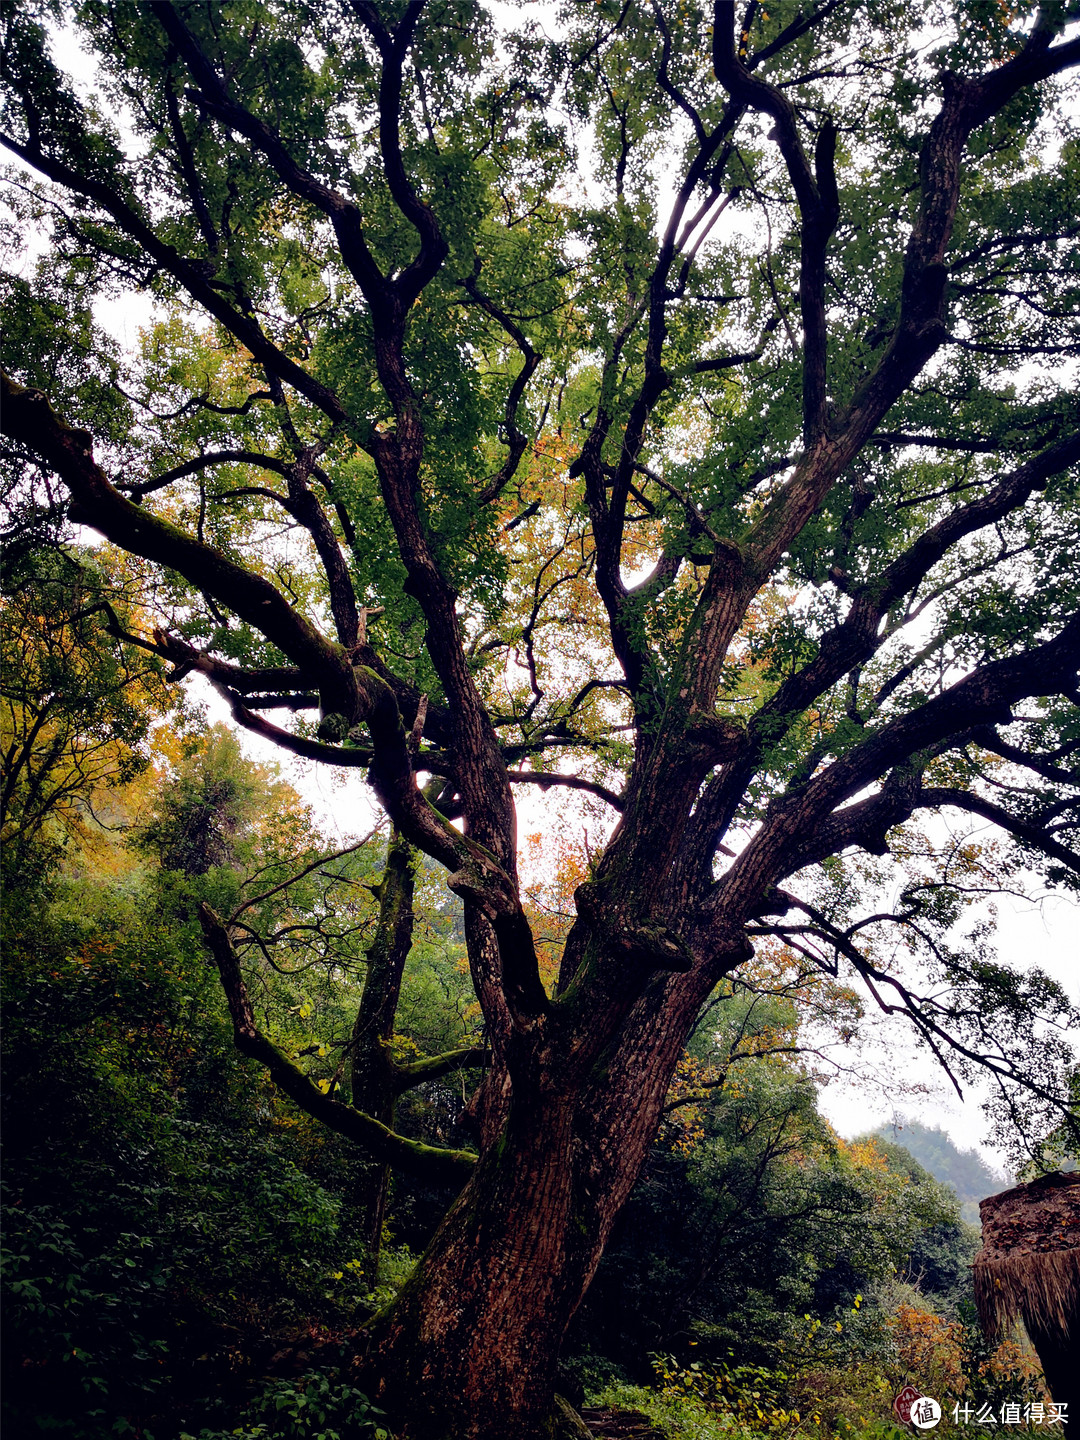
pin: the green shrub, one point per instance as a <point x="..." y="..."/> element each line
<point x="682" y="1417"/>
<point x="319" y="1405"/>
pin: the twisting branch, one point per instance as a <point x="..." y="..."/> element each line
<point x="301" y="874"/>
<point x="213" y="96"/>
<point x="351" y="757"/>
<point x="393" y="46"/>
<point x="188" y="272"/>
<point x="858" y="636"/>
<point x="434" y="1067"/>
<point x="411" y="1156"/>
<point x="29" y="418"/>
<point x="985" y="696"/>
<point x="515" y="438"/>
<point x="918" y="1010"/>
<point x="1042" y="765"/>
<point x="199" y="463"/>
<point x="815" y="190"/>
<point x="920" y="330"/>
<point x="546" y="780"/>
<point x="357" y="693"/>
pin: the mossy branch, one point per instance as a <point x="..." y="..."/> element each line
<point x="434" y="1067"/>
<point x="412" y="1156"/>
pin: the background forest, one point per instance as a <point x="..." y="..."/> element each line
<point x="185" y="1249"/>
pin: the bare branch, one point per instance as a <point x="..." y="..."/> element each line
<point x="1024" y="830"/>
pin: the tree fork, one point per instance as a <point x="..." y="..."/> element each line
<point x="367" y="1131"/>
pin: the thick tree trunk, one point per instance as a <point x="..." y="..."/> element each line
<point x="468" y="1350"/>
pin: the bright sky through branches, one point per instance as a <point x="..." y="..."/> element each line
<point x="1025" y="933"/>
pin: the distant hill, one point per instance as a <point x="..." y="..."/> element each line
<point x="965" y="1170"/>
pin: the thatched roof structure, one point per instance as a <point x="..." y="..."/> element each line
<point x="1029" y="1264"/>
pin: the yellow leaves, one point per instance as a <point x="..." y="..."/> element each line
<point x="404" y="1048"/>
<point x="750" y="1396"/>
<point x="684" y="1127"/>
<point x="929" y="1347"/>
<point x="865" y="1156"/>
<point x="691" y="1135"/>
<point x="72" y="717"/>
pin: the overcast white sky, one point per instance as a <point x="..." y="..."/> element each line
<point x="1047" y="936"/>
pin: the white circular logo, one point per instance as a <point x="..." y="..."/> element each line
<point x="925" y="1412"/>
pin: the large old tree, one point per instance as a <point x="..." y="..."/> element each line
<point x="666" y="408"/>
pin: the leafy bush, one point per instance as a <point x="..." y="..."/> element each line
<point x="158" y="1236"/>
<point x="162" y="1286"/>
<point x="319" y="1405"/>
<point x="679" y="1418"/>
<point x="81" y="1325"/>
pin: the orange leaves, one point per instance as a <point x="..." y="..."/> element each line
<point x="566" y="865"/>
<point x="559" y="866"/>
<point x="1014" y="1361"/>
<point x="684" y="1127"/>
<point x="931" y="1348"/>
<point x="934" y="1349"/>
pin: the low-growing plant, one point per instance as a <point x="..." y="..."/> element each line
<point x="678" y="1417"/>
<point x="318" y="1405"/>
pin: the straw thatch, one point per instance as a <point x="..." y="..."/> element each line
<point x="1029" y="1264"/>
